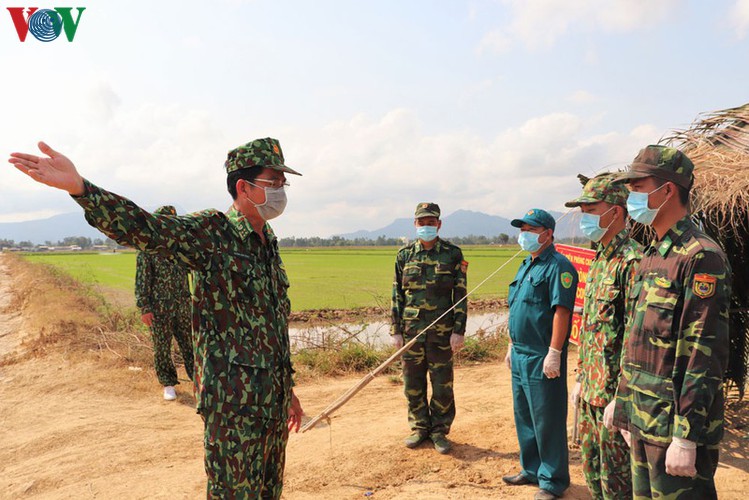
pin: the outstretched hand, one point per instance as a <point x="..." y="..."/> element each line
<point x="55" y="170"/>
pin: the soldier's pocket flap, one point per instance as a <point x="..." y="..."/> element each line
<point x="607" y="294"/>
<point x="410" y="313"/>
<point x="652" y="385"/>
<point x="444" y="269"/>
<point x="412" y="270"/>
<point x="537" y="281"/>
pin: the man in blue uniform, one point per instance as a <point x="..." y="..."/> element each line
<point x="541" y="300"/>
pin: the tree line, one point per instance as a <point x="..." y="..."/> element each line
<point x="384" y="241"/>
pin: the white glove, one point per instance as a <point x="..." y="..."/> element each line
<point x="575" y="394"/>
<point x="681" y="456"/>
<point x="608" y="415"/>
<point x="456" y="342"/>
<point x="552" y="361"/>
<point x="627" y="437"/>
<point x="508" y="356"/>
<point x="397" y="340"/>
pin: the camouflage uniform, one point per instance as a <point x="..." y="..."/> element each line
<point x="161" y="288"/>
<point x="427" y="283"/>
<point x="677" y="350"/>
<point x="243" y="373"/>
<point x="607" y="309"/>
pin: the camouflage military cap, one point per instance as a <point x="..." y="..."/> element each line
<point x="601" y="188"/>
<point x="427" y="209"/>
<point x="166" y="210"/>
<point x="536" y="217"/>
<point x="663" y="162"/>
<point x="258" y="153"/>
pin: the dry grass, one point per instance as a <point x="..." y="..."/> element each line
<point x="63" y="315"/>
<point x="718" y="145"/>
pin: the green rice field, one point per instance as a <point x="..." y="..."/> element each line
<point x="336" y="278"/>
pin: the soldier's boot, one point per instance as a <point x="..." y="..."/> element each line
<point x="441" y="443"/>
<point x="415" y="439"/>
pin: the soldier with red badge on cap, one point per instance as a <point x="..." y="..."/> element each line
<point x="606" y="312"/>
<point x="243" y="374"/>
<point x="670" y="395"/>
<point x="430" y="278"/>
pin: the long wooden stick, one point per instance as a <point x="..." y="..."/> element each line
<point x="346" y="396"/>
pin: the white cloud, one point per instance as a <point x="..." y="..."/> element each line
<point x="739" y="18"/>
<point x="494" y="42"/>
<point x="359" y="173"/>
<point x="582" y="97"/>
<point x="365" y="172"/>
<point x="538" y="24"/>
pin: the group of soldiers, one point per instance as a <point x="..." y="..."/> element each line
<point x="653" y="345"/>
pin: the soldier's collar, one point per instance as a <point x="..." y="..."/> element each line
<point x="546" y="253"/>
<point x="419" y="247"/>
<point x="243" y="226"/>
<point x="673" y="236"/>
<point x="615" y="244"/>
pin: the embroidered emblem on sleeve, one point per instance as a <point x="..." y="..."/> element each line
<point x="704" y="285"/>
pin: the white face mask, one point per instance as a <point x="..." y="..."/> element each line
<point x="275" y="202"/>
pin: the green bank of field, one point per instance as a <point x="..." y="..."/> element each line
<point x="321" y="278"/>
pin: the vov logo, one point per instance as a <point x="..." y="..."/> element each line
<point x="45" y="24"/>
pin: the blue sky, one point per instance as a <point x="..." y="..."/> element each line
<point x="492" y="106"/>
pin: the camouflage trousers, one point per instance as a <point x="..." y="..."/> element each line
<point x="605" y="456"/>
<point x="649" y="478"/>
<point x="244" y="456"/>
<point x="165" y="326"/>
<point x="434" y="357"/>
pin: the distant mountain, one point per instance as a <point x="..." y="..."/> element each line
<point x="465" y="223"/>
<point x="53" y="228"/>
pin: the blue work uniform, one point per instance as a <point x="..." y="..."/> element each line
<point x="540" y="403"/>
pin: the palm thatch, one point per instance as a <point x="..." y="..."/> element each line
<point x="718" y="145"/>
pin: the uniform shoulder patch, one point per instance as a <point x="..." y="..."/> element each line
<point x="566" y="278"/>
<point x="704" y="285"/>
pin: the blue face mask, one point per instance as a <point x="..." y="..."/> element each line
<point x="426" y="233"/>
<point x="637" y="206"/>
<point x="590" y="225"/>
<point x="529" y="241"/>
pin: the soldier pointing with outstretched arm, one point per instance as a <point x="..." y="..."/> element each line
<point x="243" y="374"/>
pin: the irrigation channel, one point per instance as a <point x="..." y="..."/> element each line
<point x="376" y="333"/>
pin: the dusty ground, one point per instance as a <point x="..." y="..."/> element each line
<point x="85" y="425"/>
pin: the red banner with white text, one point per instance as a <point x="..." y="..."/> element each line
<point x="581" y="258"/>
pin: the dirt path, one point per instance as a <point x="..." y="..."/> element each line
<point x="10" y="321"/>
<point x="92" y="429"/>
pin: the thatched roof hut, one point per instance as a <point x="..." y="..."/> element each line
<point x="718" y="145"/>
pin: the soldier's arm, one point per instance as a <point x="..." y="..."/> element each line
<point x="182" y="238"/>
<point x="628" y="271"/>
<point x="460" y="313"/>
<point x="143" y="283"/>
<point x="398" y="298"/>
<point x="702" y="344"/>
<point x="187" y="239"/>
